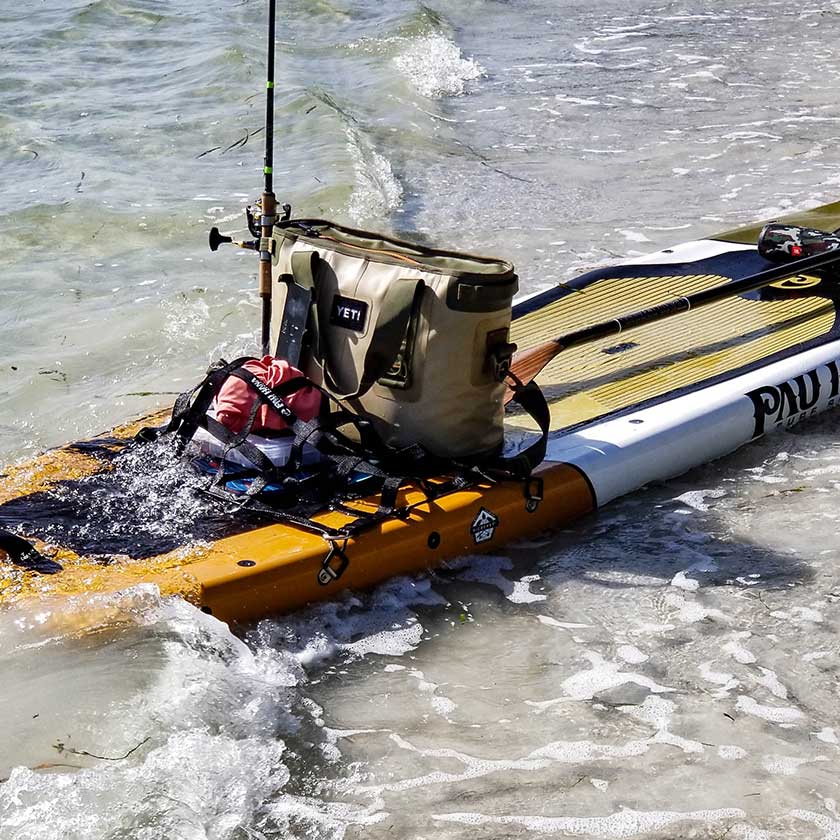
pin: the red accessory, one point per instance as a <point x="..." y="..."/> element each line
<point x="235" y="399"/>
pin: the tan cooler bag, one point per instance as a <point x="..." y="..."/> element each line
<point x="415" y="339"/>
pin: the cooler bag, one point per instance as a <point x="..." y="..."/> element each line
<point x="414" y="339"/>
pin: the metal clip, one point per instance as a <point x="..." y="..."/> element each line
<point x="268" y="243"/>
<point x="534" y="492"/>
<point x="500" y="359"/>
<point x="330" y="570"/>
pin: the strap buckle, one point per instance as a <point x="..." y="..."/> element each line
<point x="333" y="565"/>
<point x="500" y="358"/>
<point x="534" y="492"/>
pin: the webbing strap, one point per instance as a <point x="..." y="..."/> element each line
<point x="532" y="400"/>
<point x="247" y="449"/>
<point x="329" y="483"/>
<point x="191" y="406"/>
<point x="265" y="395"/>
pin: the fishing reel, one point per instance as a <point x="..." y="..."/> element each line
<point x="252" y="217"/>
<point x="781" y="243"/>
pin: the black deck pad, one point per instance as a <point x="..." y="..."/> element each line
<point x="148" y="504"/>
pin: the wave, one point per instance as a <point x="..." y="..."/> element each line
<point x="435" y="67"/>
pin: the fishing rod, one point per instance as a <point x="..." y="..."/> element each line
<point x="529" y="363"/>
<point x="268" y="201"/>
<point x="264" y="228"/>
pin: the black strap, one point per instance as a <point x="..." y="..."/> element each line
<point x="191" y="407"/>
<point x="532" y="400"/>
<point x="23" y="554"/>
<point x="392" y="322"/>
<point x="299" y="309"/>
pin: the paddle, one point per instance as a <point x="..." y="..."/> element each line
<point x="527" y="364"/>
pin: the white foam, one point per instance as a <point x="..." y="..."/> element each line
<point x="680" y="581"/>
<point x="785" y="765"/>
<point x="577" y="752"/>
<point x="604" y="675"/>
<point x="722" y="678"/>
<point x="376" y="191"/>
<point x="379" y="623"/>
<point x="388" y="642"/>
<point x="827" y="735"/>
<point x="441" y="704"/>
<point x="742" y="831"/>
<point x="204" y="719"/>
<point x="815" y="655"/>
<point x="771" y="682"/>
<point x="730" y="752"/>
<point x="632" y="655"/>
<point x="434" y="67"/>
<point x="473" y="768"/>
<point x="620" y="825"/>
<point x="488" y="569"/>
<point x="830" y="827"/>
<point x="687" y="745"/>
<point x="208" y="780"/>
<point x="564" y="625"/>
<point x="738" y="652"/>
<point x="656" y="711"/>
<point x="774" y="714"/>
<point x="690" y="612"/>
<point x="633" y="236"/>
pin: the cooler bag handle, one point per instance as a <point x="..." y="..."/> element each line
<point x="392" y="321"/>
<point x="388" y="333"/>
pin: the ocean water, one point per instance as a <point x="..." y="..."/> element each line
<point x="665" y="669"/>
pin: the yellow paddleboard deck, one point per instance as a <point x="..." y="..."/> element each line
<point x="85" y="507"/>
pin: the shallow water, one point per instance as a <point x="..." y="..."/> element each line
<point x="665" y="669"/>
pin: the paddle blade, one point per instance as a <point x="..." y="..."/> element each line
<point x="528" y="364"/>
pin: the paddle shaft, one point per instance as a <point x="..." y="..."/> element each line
<point x="528" y="363"/>
<point x="268" y="202"/>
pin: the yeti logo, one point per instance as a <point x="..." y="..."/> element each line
<point x="484" y="526"/>
<point x="349" y="313"/>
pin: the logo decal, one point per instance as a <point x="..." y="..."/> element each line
<point x="484" y="526"/>
<point x="274" y="401"/>
<point x="789" y="402"/>
<point x="800" y="281"/>
<point x="348" y="313"/>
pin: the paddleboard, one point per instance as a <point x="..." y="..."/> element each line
<point x="646" y="405"/>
